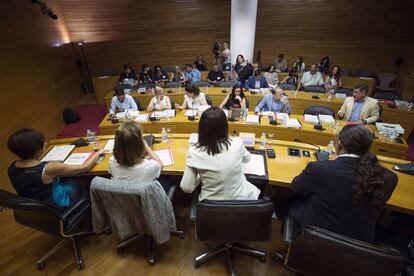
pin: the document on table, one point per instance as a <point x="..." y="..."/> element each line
<point x="256" y="166"/>
<point x="120" y="115"/>
<point x="78" y="158"/>
<point x="142" y="118"/>
<point x="311" y="119"/>
<point x="109" y="146"/>
<point x="58" y="153"/>
<point x="133" y="113"/>
<point x="282" y="116"/>
<point x="326" y="119"/>
<point x="190" y="112"/>
<point x="193" y="139"/>
<point x="293" y="123"/>
<point x="252" y="119"/>
<point x="267" y="113"/>
<point x="166" y="157"/>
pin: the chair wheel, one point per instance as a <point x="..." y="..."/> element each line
<point x="151" y="262"/>
<point x="262" y="259"/>
<point x="181" y="236"/>
<point x="196" y="264"/>
<point x="81" y="266"/>
<point x="41" y="266"/>
<point x="119" y="250"/>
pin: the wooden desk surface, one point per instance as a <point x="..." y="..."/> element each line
<point x="281" y="170"/>
<point x="180" y="124"/>
<point x="298" y="102"/>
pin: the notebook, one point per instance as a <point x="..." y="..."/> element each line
<point x="78" y="158"/>
<point x="109" y="146"/>
<point x="58" y="153"/>
<point x="166" y="157"/>
<point x="256" y="165"/>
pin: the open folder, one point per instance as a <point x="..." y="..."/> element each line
<point x="166" y="157"/>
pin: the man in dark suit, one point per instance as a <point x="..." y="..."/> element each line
<point x="256" y="81"/>
<point x="344" y="195"/>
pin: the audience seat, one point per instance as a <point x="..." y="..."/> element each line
<point x="287" y="86"/>
<point x="316" y="110"/>
<point x="314" y="88"/>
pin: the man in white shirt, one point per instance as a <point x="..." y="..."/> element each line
<point x="121" y="102"/>
<point x="311" y="77"/>
<point x="226" y="55"/>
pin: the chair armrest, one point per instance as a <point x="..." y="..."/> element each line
<point x="274" y="215"/>
<point x="171" y="192"/>
<point x="288" y="230"/>
<point x="73" y="216"/>
<point x="193" y="208"/>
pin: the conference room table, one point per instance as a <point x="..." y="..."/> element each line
<point x="298" y="101"/>
<point x="281" y="170"/>
<point x="306" y="134"/>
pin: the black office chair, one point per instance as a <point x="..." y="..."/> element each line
<point x="230" y="222"/>
<point x="287" y="86"/>
<point x="201" y="84"/>
<point x="314" y="89"/>
<point x="69" y="224"/>
<point x="342" y="90"/>
<point x="138" y="104"/>
<point x="316" y="110"/>
<point x="172" y="84"/>
<point x="209" y="100"/>
<point x="316" y="251"/>
<point x="227" y="84"/>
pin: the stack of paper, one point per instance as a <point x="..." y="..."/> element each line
<point x="166" y="157"/>
<point x="282" y="116"/>
<point x="265" y="90"/>
<point x="390" y="129"/>
<point x="252" y="119"/>
<point x="141" y="118"/>
<point x="256" y="166"/>
<point x="165" y="113"/>
<point x="203" y="108"/>
<point x="340" y="95"/>
<point x="120" y="115"/>
<point x="193" y="139"/>
<point x="311" y="119"/>
<point x="268" y="113"/>
<point x="109" y="146"/>
<point x="132" y="113"/>
<point x="190" y="112"/>
<point x="326" y="119"/>
<point x="293" y="123"/>
<point x="78" y="158"/>
<point x="58" y="153"/>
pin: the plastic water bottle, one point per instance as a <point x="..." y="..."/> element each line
<point x="330" y="147"/>
<point x="91" y="136"/>
<point x="164" y="135"/>
<point x="262" y="141"/>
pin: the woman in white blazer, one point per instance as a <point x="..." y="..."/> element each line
<point x="216" y="161"/>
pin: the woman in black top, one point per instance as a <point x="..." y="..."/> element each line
<point x="243" y="69"/>
<point x="146" y="77"/>
<point x="345" y="195"/>
<point x="292" y="78"/>
<point x="200" y="63"/>
<point x="159" y="74"/>
<point x="323" y="66"/>
<point x="235" y="100"/>
<point x="39" y="180"/>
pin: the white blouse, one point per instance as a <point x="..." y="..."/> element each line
<point x="221" y="175"/>
<point x="196" y="102"/>
<point x="147" y="170"/>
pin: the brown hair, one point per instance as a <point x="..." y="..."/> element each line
<point x="129" y="147"/>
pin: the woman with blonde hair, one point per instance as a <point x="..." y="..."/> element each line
<point x="128" y="161"/>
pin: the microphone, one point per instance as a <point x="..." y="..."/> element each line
<point x="192" y="118"/>
<point x="152" y="117"/>
<point x="321" y="155"/>
<point x="407" y="168"/>
<point x="318" y="126"/>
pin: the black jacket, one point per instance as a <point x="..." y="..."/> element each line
<point x="324" y="198"/>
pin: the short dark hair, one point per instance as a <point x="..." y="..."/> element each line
<point x="213" y="131"/>
<point x="119" y="90"/>
<point x="193" y="90"/>
<point x="257" y="73"/>
<point x="26" y="143"/>
<point x="281" y="56"/>
<point x="189" y="65"/>
<point x="126" y="66"/>
<point x="362" y="87"/>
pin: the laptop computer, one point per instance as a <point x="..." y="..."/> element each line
<point x="236" y="113"/>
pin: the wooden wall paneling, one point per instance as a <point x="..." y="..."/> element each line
<point x="38" y="79"/>
<point x="136" y="31"/>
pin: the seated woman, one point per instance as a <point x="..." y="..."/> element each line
<point x="178" y="75"/>
<point x="235" y="100"/>
<point x="323" y="66"/>
<point x="292" y="78"/>
<point x="193" y="99"/>
<point x="146" y="78"/>
<point x="160" y="76"/>
<point x="345" y="195"/>
<point x="333" y="80"/>
<point x="159" y="101"/>
<point x="216" y="162"/>
<point x="299" y="65"/>
<point x="271" y="76"/>
<point x="129" y="162"/>
<point x="200" y="63"/>
<point x="34" y="179"/>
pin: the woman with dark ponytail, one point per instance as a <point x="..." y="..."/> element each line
<point x="344" y="195"/>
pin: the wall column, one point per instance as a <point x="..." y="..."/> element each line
<point x="243" y="28"/>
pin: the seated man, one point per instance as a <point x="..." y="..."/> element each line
<point x="360" y="108"/>
<point x="275" y="102"/>
<point x="159" y="101"/>
<point x="215" y="76"/>
<point x="192" y="75"/>
<point x="128" y="76"/>
<point x="345" y="195"/>
<point x="256" y="81"/>
<point x="121" y="102"/>
<point x="312" y="77"/>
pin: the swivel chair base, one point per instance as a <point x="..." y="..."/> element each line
<point x="76" y="249"/>
<point x="229" y="248"/>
